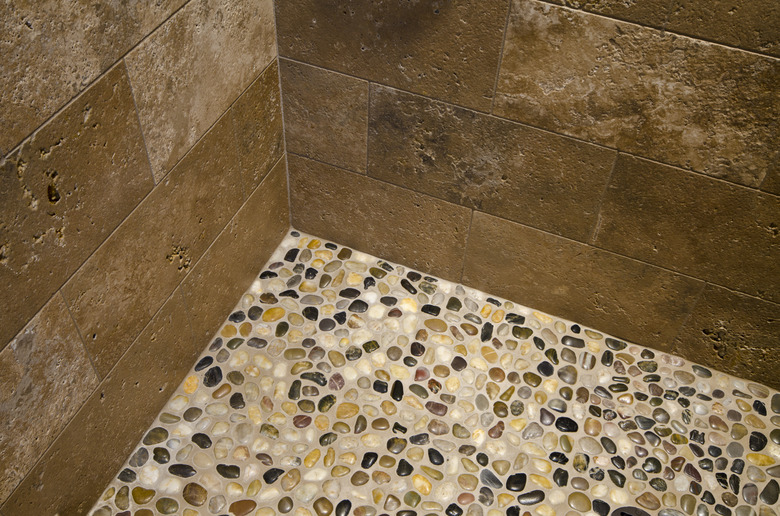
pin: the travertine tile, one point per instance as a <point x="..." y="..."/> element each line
<point x="122" y="285"/>
<point x="189" y="71"/>
<point x="653" y="13"/>
<point x="771" y="182"/>
<point x="64" y="191"/>
<point x="45" y="376"/>
<point x="100" y="437"/>
<point x="618" y="295"/>
<point x="325" y="115"/>
<point x="733" y="332"/>
<point x="478" y="161"/>
<point x="446" y="50"/>
<point x="257" y="123"/>
<point x="671" y="98"/>
<point x="379" y="218"/>
<point x="50" y="51"/>
<point x="750" y="25"/>
<point x="231" y="264"/>
<point x="709" y="229"/>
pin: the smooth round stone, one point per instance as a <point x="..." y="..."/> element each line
<point x="322" y="506"/>
<point x="579" y="502"/>
<point x="565" y="424"/>
<point x="734" y="450"/>
<point x="155" y="436"/>
<point x="167" y="506"/>
<point x="770" y="493"/>
<point x="242" y="507"/>
<point x="648" y="501"/>
<point x="531" y="497"/>
<point x="181" y="470"/>
<point x="758" y="441"/>
<point x="142" y="495"/>
<point x="516" y="482"/>
<point x="285" y="505"/>
<point x="568" y="374"/>
<point x="194" y="494"/>
<point x="396" y="444"/>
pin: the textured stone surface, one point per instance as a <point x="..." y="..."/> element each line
<point x="64" y="191"/>
<point x="385" y="220"/>
<point x="647" y="12"/>
<point x="219" y="278"/>
<point x="71" y="473"/>
<point x="618" y="295"/>
<point x="158" y="243"/>
<point x="189" y="71"/>
<point x="681" y="101"/>
<point x="750" y="25"/>
<point x="772" y="180"/>
<point x="733" y="332"/>
<point x="325" y="115"/>
<point x="257" y="123"/>
<point x="475" y="160"/>
<point x="693" y="224"/>
<point x="50" y="51"/>
<point x="45" y="375"/>
<point x="446" y="50"/>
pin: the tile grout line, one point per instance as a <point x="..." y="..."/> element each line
<point x="279" y="59"/>
<point x="368" y="124"/>
<point x="81" y="335"/>
<point x="93" y="81"/>
<point x="597" y="225"/>
<point x="140" y="126"/>
<point x="466" y="245"/>
<point x="501" y="56"/>
<point x="754" y="189"/>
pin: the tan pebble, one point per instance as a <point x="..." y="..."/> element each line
<point x="322" y="422"/>
<point x="339" y="471"/>
<point x="245" y="329"/>
<point x="190" y="384"/>
<point x="759" y="459"/>
<point x="347" y="410"/>
<point x="388" y="407"/>
<point x="330" y="458"/>
<point x="540" y="481"/>
<point x="415" y="454"/>
<point x="422" y="484"/>
<point x="311" y="459"/>
<point x="505" y="499"/>
<point x="273" y="314"/>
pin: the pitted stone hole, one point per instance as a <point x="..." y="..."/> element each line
<point x="629" y="511"/>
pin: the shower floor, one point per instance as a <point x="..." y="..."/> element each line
<point x="345" y="384"/>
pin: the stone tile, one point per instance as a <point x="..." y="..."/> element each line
<point x="446" y="50"/>
<point x="325" y="115"/>
<point x="219" y="278"/>
<point x="724" y="234"/>
<point x="258" y="128"/>
<point x="70" y="475"/>
<point x="647" y="12"/>
<point x="372" y="216"/>
<point x="479" y="161"/>
<point x="190" y="70"/>
<point x="114" y="295"/>
<point x="671" y="98"/>
<point x="46" y="376"/>
<point x="750" y="25"/>
<point x="771" y="182"/>
<point x="733" y="332"/>
<point x="50" y="51"/>
<point x="611" y="293"/>
<point x="64" y="191"/>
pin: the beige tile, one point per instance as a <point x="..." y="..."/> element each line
<point x="479" y="161"/>
<point x="709" y="229"/>
<point x="750" y="25"/>
<point x="325" y="115"/>
<point x="733" y="332"/>
<point x="385" y="220"/>
<point x="219" y="279"/>
<point x="674" y="99"/>
<point x="45" y="376"/>
<point x="71" y="475"/>
<point x="611" y="293"/>
<point x="446" y="50"/>
<point x="190" y="70"/>
<point x="258" y="128"/>
<point x="63" y="192"/>
<point x="50" y="51"/>
<point x="114" y="295"/>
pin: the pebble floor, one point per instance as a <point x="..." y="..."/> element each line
<point x="344" y="384"/>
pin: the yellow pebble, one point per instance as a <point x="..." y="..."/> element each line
<point x="505" y="499"/>
<point x="311" y="459"/>
<point x="422" y="484"/>
<point x="347" y="410"/>
<point x="273" y="314"/>
<point x="498" y="316"/>
<point x="759" y="459"/>
<point x="540" y="481"/>
<point x="321" y="422"/>
<point x="228" y="331"/>
<point x="191" y="384"/>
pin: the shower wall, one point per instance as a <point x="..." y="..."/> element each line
<point x="612" y="162"/>
<point x="139" y="140"/>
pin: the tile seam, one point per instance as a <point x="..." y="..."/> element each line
<point x="501" y="55"/>
<point x="140" y="126"/>
<point x="368" y="125"/>
<point x="279" y="60"/>
<point x="81" y="335"/>
<point x="597" y="226"/>
<point x="93" y="81"/>
<point x="466" y="246"/>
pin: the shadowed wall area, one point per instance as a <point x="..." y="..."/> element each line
<point x="611" y="162"/>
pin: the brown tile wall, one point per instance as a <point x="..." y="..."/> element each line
<point x="612" y="162"/>
<point x="147" y="142"/>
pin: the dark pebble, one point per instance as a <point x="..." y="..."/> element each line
<point x="182" y="470"/>
<point x="212" y="377"/>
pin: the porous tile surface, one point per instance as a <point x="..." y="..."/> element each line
<point x="344" y="384"/>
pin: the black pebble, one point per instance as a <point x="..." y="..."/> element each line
<point x="270" y="476"/>
<point x="182" y="470"/>
<point x="212" y="377"/>
<point x="126" y="475"/>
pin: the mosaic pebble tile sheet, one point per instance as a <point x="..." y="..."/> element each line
<point x="343" y="384"/>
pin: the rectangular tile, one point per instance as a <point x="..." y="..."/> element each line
<point x="446" y="50"/>
<point x="611" y="293"/>
<point x="51" y="51"/>
<point x="122" y="285"/>
<point x="258" y="127"/>
<point x="64" y="191"/>
<point x="325" y="115"/>
<point x="233" y="261"/>
<point x="482" y="162"/>
<point x="733" y="332"/>
<point x="45" y="376"/>
<point x="647" y="12"/>
<point x="423" y="232"/>
<point x="71" y="474"/>
<point x="709" y="229"/>
<point x="671" y="98"/>
<point x="189" y="71"/>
